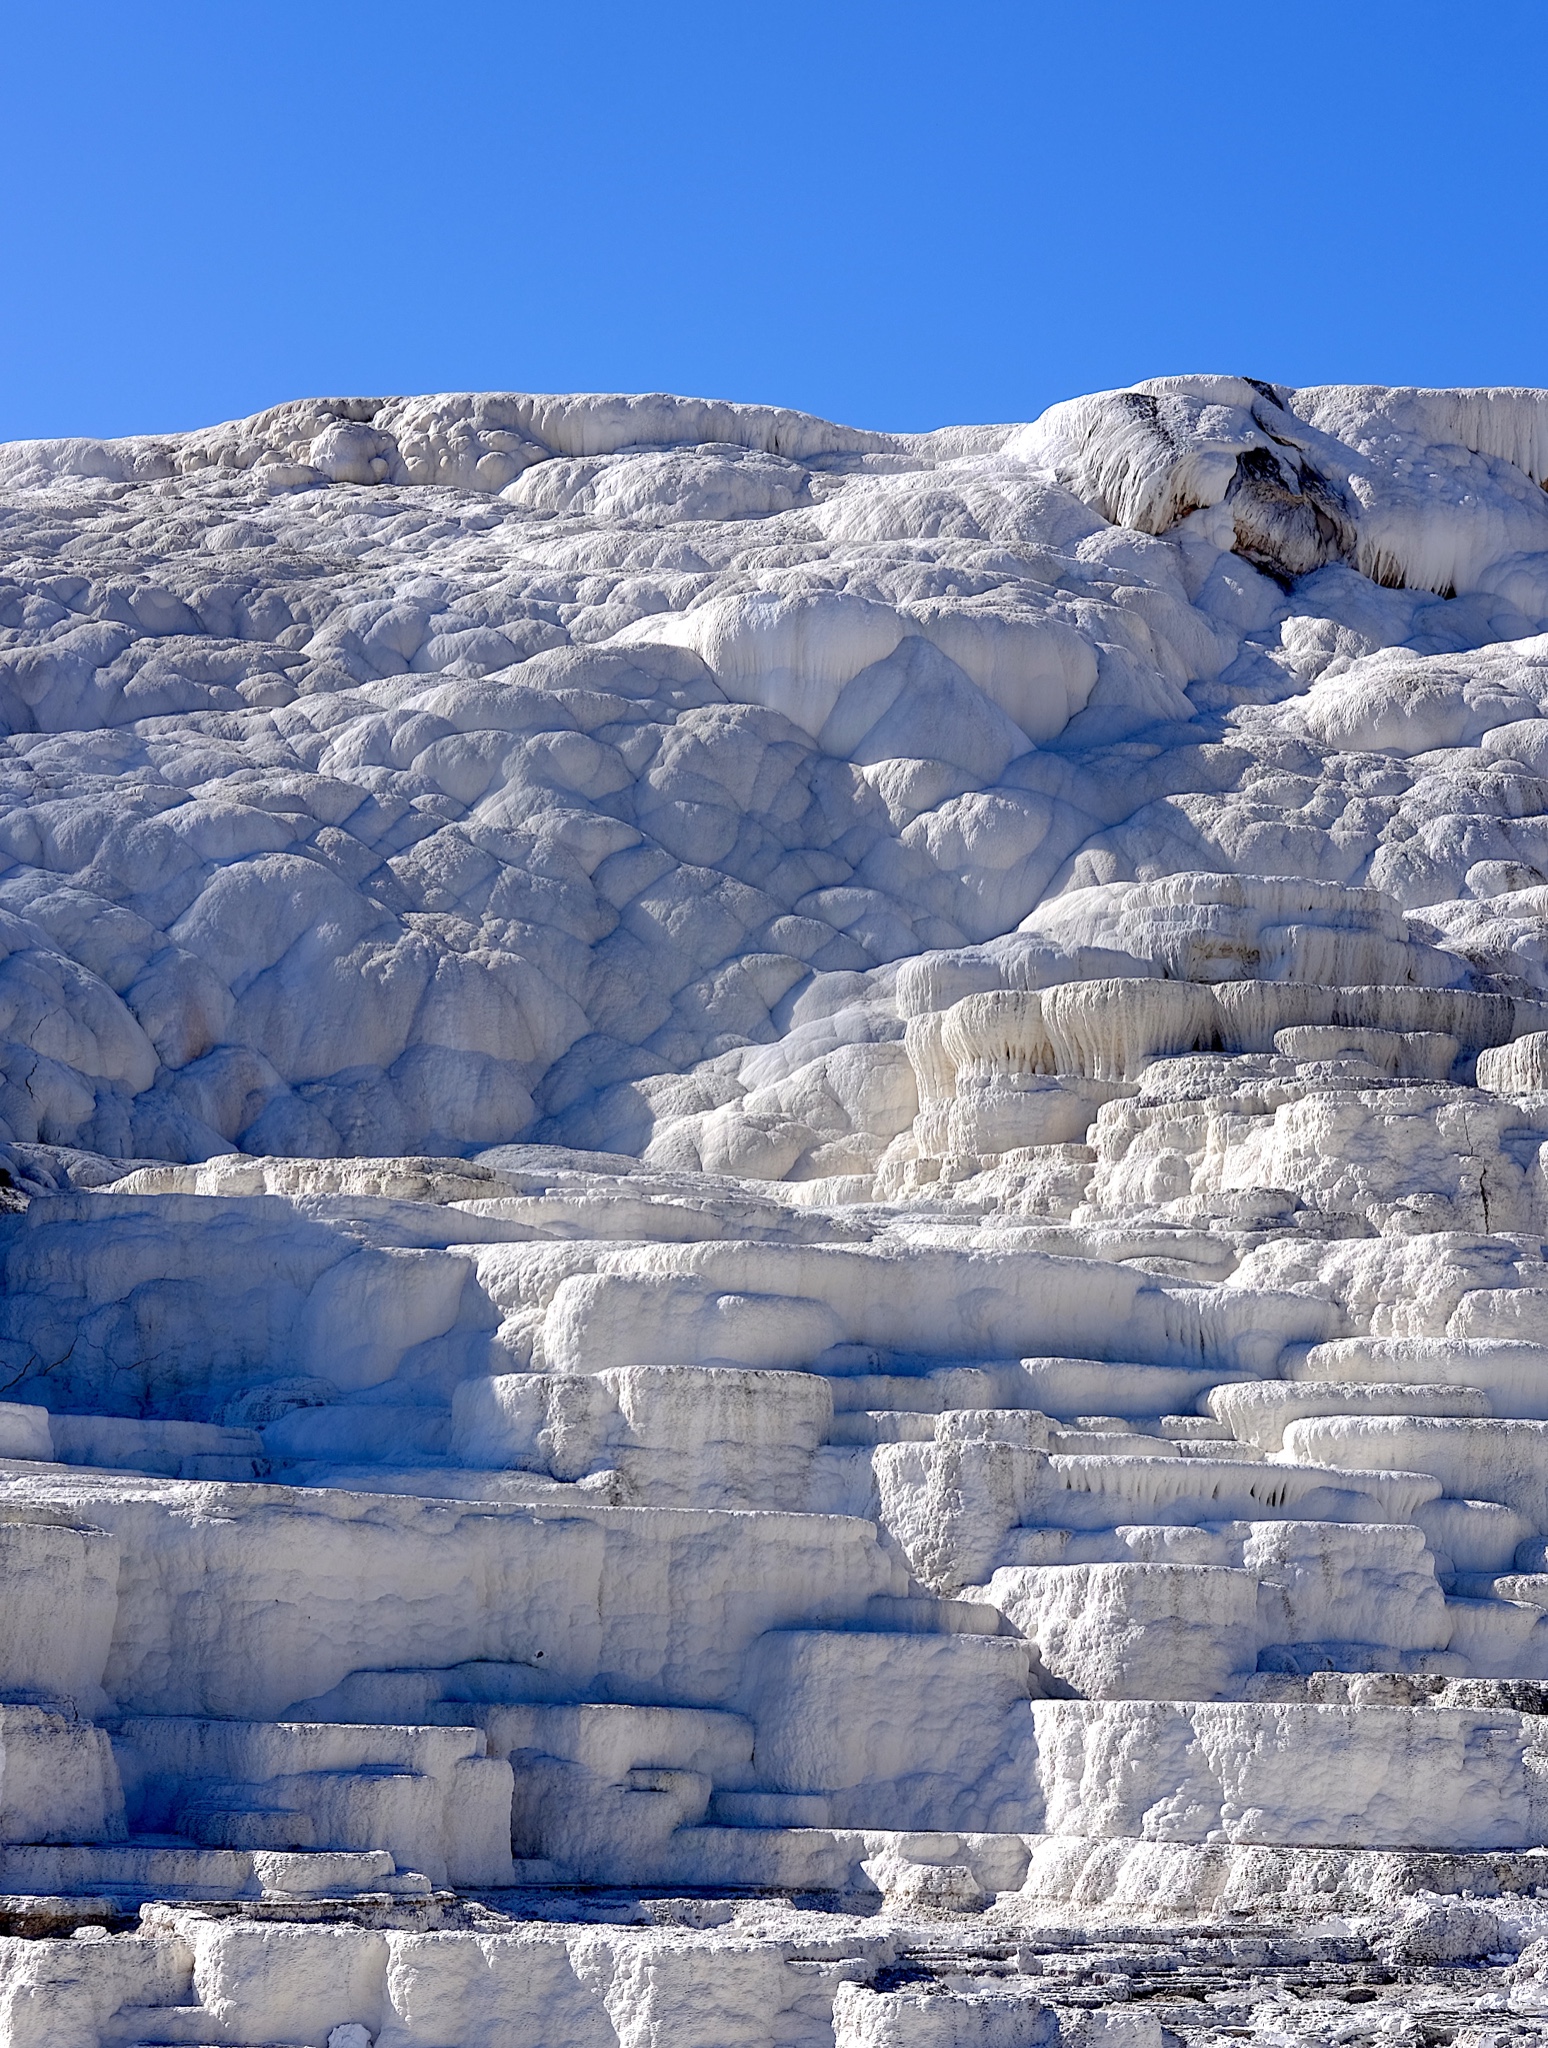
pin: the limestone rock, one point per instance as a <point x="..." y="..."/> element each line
<point x="774" y="1225"/>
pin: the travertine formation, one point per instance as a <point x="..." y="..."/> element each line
<point x="777" y="1250"/>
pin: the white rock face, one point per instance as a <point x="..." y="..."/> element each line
<point x="748" y="1162"/>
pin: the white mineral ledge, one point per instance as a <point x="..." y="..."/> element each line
<point x="775" y="1261"/>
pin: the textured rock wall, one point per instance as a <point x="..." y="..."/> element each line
<point x="771" y="1192"/>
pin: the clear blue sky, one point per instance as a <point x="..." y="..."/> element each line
<point x="894" y="213"/>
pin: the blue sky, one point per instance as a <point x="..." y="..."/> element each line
<point x="893" y="213"/>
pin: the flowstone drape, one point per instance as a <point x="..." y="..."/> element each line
<point x="775" y="1261"/>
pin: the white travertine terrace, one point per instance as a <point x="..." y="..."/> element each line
<point x="776" y="1225"/>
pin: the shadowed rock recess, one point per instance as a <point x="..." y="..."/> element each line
<point x="775" y="1241"/>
